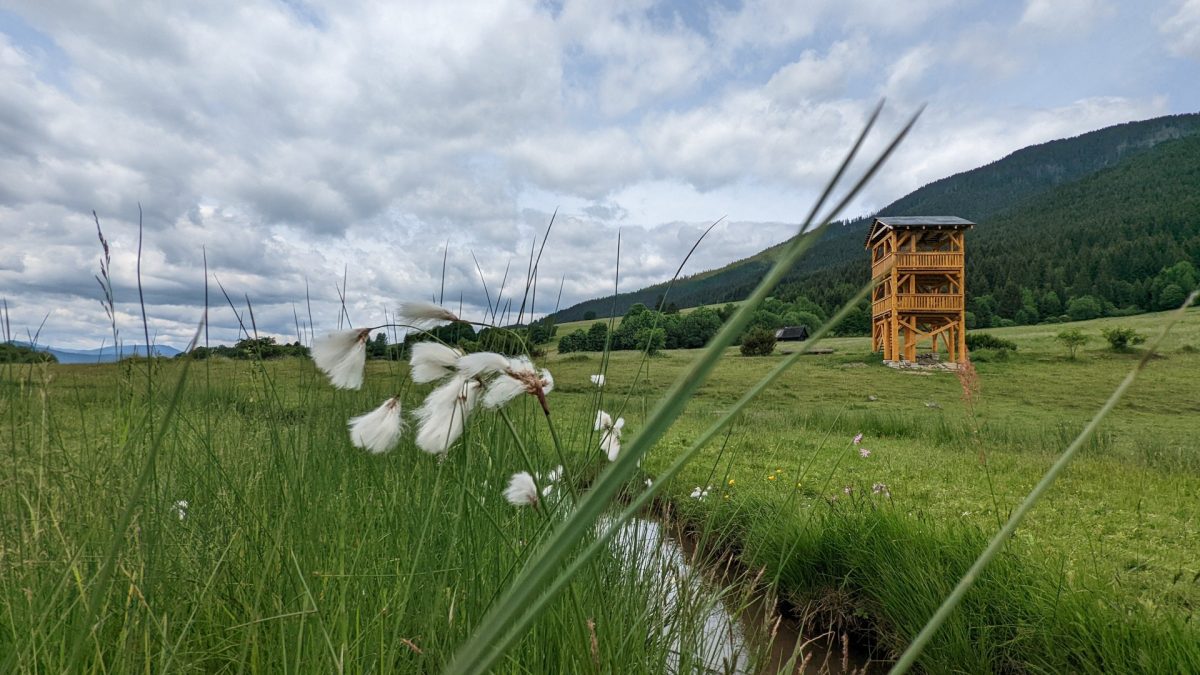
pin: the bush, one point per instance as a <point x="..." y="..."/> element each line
<point x="758" y="342"/>
<point x="987" y="355"/>
<point x="1071" y="339"/>
<point x="1084" y="308"/>
<point x="989" y="341"/>
<point x="1120" y="339"/>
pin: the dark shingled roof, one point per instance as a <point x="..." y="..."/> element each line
<point x="916" y="223"/>
<point x="792" y="333"/>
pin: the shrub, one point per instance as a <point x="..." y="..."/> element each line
<point x="1071" y="339"/>
<point x="1084" y="308"/>
<point x="758" y="342"/>
<point x="1121" y="338"/>
<point x="987" y="355"/>
<point x="989" y="341"/>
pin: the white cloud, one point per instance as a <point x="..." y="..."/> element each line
<point x="1183" y="30"/>
<point x="1064" y="16"/>
<point x="908" y="69"/>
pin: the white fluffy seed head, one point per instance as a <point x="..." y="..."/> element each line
<point x="610" y="443"/>
<point x="521" y="490"/>
<point x="425" y="315"/>
<point x="379" y="430"/>
<point x="482" y="363"/>
<point x="444" y="413"/>
<point x="603" y="420"/>
<point x="341" y="356"/>
<point x="502" y="390"/>
<point x="598" y="379"/>
<point x="431" y="361"/>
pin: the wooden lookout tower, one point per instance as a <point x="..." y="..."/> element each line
<point x="917" y="262"/>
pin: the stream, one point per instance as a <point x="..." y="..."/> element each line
<point x="734" y="620"/>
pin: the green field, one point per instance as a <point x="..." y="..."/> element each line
<point x="299" y="553"/>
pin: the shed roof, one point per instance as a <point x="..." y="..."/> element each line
<point x="792" y="333"/>
<point x="886" y="223"/>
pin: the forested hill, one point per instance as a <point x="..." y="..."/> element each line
<point x="1017" y="193"/>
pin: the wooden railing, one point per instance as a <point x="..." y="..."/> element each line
<point x="922" y="260"/>
<point x="918" y="302"/>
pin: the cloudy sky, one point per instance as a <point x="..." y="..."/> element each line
<point x="293" y="141"/>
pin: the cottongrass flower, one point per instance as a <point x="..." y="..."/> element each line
<point x="378" y="430"/>
<point x="431" y="361"/>
<point x="550" y="480"/>
<point x="341" y="356"/>
<point x="521" y="490"/>
<point x="610" y="442"/>
<point x="864" y="453"/>
<point x="598" y="379"/>
<point x="425" y="315"/>
<point x="180" y="508"/>
<point x="699" y="493"/>
<point x="858" y="439"/>
<point x="443" y="415"/>
<point x="520" y="377"/>
<point x="481" y="364"/>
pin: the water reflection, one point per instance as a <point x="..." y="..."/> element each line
<point x="727" y="626"/>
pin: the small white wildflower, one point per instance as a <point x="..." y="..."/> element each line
<point x="181" y="509"/>
<point x="610" y="440"/>
<point x="649" y="482"/>
<point x="431" y="361"/>
<point x="521" y="490"/>
<point x="598" y="379"/>
<point x="341" y="356"/>
<point x="425" y="315"/>
<point x="550" y="480"/>
<point x="444" y="413"/>
<point x="378" y="430"/>
<point x="858" y="439"/>
<point x="881" y="489"/>
<point x="519" y="378"/>
<point x="848" y="489"/>
<point x="482" y="363"/>
<point x="864" y="453"/>
<point x="696" y="493"/>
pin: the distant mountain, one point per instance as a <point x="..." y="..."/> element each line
<point x="1012" y="194"/>
<point x="105" y="354"/>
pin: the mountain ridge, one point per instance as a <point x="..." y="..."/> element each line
<point x="979" y="194"/>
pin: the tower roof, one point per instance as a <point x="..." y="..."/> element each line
<point x="885" y="223"/>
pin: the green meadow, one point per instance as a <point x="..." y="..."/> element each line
<point x="161" y="517"/>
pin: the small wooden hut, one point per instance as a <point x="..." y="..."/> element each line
<point x="919" y="299"/>
<point x="791" y="334"/>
